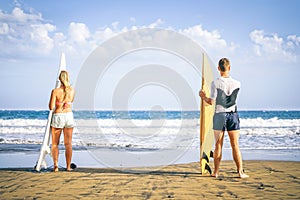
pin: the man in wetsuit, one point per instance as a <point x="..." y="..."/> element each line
<point x="224" y="91"/>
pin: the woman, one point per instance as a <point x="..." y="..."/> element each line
<point x="61" y="101"/>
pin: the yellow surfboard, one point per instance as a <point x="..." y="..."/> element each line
<point x="206" y="120"/>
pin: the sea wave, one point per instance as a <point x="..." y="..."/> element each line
<point x="35" y="126"/>
<point x="154" y="134"/>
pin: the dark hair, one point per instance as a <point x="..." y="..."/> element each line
<point x="224" y="64"/>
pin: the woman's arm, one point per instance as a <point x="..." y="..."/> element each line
<point x="73" y="94"/>
<point x="52" y="101"/>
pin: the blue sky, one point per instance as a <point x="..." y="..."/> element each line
<point x="261" y="38"/>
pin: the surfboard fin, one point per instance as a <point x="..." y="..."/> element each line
<point x="207" y="167"/>
<point x="73" y="166"/>
<point x="204" y="156"/>
<point x="211" y="154"/>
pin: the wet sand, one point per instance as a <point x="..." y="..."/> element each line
<point x="268" y="180"/>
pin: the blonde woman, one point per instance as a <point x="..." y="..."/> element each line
<point x="61" y="101"/>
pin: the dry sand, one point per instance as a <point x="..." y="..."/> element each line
<point x="268" y="180"/>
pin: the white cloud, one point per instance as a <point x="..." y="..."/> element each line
<point x="104" y="34"/>
<point x="40" y="36"/>
<point x="79" y="32"/>
<point x="18" y="15"/>
<point x="272" y="47"/>
<point x="28" y="33"/>
<point x="156" y="23"/>
<point x="4" y="28"/>
<point x="90" y="41"/>
<point x="24" y="34"/>
<point x="294" y="39"/>
<point x="211" y="41"/>
<point x="115" y="25"/>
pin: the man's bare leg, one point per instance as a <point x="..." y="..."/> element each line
<point x="219" y="137"/>
<point x="236" y="153"/>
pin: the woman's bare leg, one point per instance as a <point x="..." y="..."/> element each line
<point x="56" y="132"/>
<point x="68" y="132"/>
<point x="236" y="153"/>
<point x="219" y="137"/>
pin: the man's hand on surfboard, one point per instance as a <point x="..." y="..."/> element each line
<point x="202" y="94"/>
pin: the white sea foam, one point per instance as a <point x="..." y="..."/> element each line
<point x="269" y="123"/>
<point x="110" y="126"/>
<point x="154" y="134"/>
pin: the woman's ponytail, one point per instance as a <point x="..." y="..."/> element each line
<point x="64" y="79"/>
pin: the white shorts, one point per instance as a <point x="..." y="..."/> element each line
<point x="63" y="120"/>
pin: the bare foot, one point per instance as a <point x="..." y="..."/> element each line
<point x="214" y="175"/>
<point x="243" y="175"/>
<point x="55" y="169"/>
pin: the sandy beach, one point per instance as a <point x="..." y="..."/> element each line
<point x="268" y="180"/>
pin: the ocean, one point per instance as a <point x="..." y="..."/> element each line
<point x="146" y="132"/>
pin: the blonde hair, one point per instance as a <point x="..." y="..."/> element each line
<point x="64" y="79"/>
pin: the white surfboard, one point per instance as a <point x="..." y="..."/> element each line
<point x="45" y="148"/>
